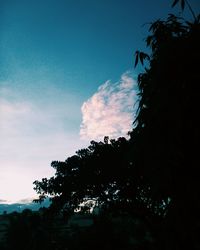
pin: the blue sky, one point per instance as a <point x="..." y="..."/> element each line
<point x="66" y="77"/>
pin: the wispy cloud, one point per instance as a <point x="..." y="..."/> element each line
<point x="110" y="111"/>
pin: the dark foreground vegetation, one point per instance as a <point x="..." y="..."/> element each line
<point x="43" y="231"/>
<point x="146" y="188"/>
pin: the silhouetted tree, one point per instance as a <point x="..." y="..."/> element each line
<point x="99" y="173"/>
<point x="165" y="140"/>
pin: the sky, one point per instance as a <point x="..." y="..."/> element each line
<point x="66" y="78"/>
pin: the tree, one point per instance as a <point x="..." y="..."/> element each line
<point x="99" y="173"/>
<point x="165" y="140"/>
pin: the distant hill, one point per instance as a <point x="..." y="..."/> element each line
<point x="19" y="207"/>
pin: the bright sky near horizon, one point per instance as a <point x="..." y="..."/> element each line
<point x="66" y="77"/>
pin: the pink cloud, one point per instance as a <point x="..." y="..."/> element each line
<point x="110" y="111"/>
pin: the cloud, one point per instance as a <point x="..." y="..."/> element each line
<point x="32" y="135"/>
<point x="26" y="200"/>
<point x="110" y="111"/>
<point x="2" y="201"/>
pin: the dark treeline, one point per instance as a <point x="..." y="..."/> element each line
<point x="146" y="187"/>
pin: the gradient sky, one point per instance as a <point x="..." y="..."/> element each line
<point x="66" y="77"/>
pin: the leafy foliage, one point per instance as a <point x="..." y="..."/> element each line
<point x="182" y="4"/>
<point x="165" y="140"/>
<point x="98" y="173"/>
<point x="140" y="56"/>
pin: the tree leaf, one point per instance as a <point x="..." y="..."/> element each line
<point x="182" y="4"/>
<point x="136" y="58"/>
<point x="149" y="40"/>
<point x="174" y="3"/>
<point x="142" y="58"/>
